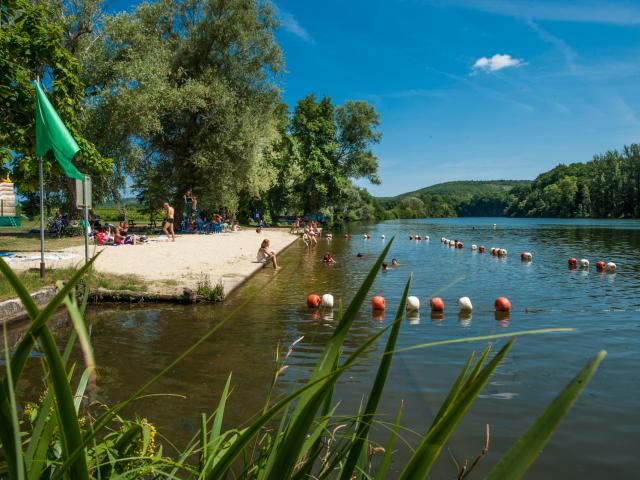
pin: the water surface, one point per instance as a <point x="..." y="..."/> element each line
<point x="598" y="438"/>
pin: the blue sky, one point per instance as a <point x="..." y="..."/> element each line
<point x="472" y="89"/>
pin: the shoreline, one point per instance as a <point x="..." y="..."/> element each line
<point x="171" y="268"/>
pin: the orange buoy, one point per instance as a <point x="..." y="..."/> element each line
<point x="436" y="304"/>
<point x="313" y="301"/>
<point x="481" y="249"/>
<point x="378" y="302"/>
<point x="573" y="263"/>
<point x="600" y="266"/>
<point x="502" y="304"/>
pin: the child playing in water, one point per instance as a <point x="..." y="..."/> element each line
<point x="328" y="259"/>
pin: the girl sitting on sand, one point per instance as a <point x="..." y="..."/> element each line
<point x="264" y="254"/>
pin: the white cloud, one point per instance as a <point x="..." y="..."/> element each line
<point x="289" y="22"/>
<point x="497" y="62"/>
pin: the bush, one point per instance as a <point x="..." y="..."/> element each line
<point x="206" y="291"/>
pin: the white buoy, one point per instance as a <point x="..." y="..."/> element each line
<point x="413" y="304"/>
<point x="427" y="238"/>
<point x="474" y="247"/>
<point x="452" y="243"/>
<point x="465" y="304"/>
<point x="584" y="263"/>
<point x="327" y="301"/>
<point x="610" y="267"/>
<point x="502" y="252"/>
<point x="526" y="256"/>
<point x="442" y="239"/>
<point x="383" y="237"/>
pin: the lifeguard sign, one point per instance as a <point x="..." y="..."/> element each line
<point x="82" y="191"/>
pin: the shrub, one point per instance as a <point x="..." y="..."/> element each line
<point x="206" y="291"/>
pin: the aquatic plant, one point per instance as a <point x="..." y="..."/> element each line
<point x="205" y="290"/>
<point x="296" y="436"/>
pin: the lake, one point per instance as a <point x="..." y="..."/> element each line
<point x="600" y="436"/>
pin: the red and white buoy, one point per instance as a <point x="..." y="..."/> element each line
<point x="481" y="248"/>
<point x="313" y="301"/>
<point x="572" y="263"/>
<point x="600" y="265"/>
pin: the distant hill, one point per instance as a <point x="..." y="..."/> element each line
<point x="460" y="190"/>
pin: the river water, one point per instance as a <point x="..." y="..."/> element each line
<point x="600" y="436"/>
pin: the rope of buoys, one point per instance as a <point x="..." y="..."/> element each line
<point x="313" y="301"/>
<point x="378" y="302"/>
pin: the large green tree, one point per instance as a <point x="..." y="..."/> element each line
<point x="32" y="46"/>
<point x="188" y="87"/>
<point x="334" y="149"/>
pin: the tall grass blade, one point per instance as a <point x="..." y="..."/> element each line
<point x="15" y="424"/>
<point x="385" y="463"/>
<point x="77" y="320"/>
<point x="376" y="390"/>
<point x="431" y="445"/>
<point x="524" y="452"/>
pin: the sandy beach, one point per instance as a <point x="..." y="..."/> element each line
<point x="170" y="266"/>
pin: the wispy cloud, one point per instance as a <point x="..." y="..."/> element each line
<point x="621" y="12"/>
<point x="497" y="62"/>
<point x="291" y="25"/>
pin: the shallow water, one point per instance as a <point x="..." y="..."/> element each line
<point x="598" y="438"/>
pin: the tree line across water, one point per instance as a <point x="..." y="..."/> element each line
<point x="606" y="187"/>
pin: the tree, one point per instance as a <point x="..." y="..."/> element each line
<point x="334" y="148"/>
<point x="190" y="86"/>
<point x="31" y="46"/>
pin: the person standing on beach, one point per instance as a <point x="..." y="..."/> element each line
<point x="167" y="223"/>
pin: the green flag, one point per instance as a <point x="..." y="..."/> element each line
<point x="51" y="134"/>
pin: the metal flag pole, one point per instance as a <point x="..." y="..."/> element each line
<point x="86" y="219"/>
<point x="41" y="218"/>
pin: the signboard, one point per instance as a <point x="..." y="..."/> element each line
<point x="80" y="203"/>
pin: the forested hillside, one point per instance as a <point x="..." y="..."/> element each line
<point x="606" y="187"/>
<point x="450" y="199"/>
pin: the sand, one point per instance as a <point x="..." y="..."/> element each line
<point x="170" y="266"/>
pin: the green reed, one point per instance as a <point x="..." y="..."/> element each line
<point x="295" y="436"/>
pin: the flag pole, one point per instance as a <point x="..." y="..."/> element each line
<point x="86" y="219"/>
<point x="41" y="218"/>
<point x="41" y="170"/>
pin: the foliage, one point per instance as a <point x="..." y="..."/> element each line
<point x="31" y="46"/>
<point x="606" y="187"/>
<point x="205" y="290"/>
<point x="62" y="436"/>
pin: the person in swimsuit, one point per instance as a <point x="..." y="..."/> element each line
<point x="264" y="254"/>
<point x="167" y="223"/>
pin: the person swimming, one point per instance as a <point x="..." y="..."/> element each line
<point x="359" y="255"/>
<point x="395" y="263"/>
<point x="328" y="259"/>
<point x="384" y="267"/>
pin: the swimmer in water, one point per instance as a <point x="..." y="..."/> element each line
<point x="395" y="263"/>
<point x="384" y="267"/>
<point x="359" y="255"/>
<point x="328" y="259"/>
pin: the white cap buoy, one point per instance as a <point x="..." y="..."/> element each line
<point x="465" y="304"/>
<point x="327" y="300"/>
<point x="584" y="263"/>
<point x="382" y="236"/>
<point x="502" y="252"/>
<point x="413" y="304"/>
<point x="474" y="247"/>
<point x="610" y="267"/>
<point x="426" y="237"/>
<point x="442" y="239"/>
<point x="526" y="256"/>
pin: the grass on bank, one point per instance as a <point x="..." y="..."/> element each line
<point x="26" y="238"/>
<point x="32" y="282"/>
<point x="295" y="435"/>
